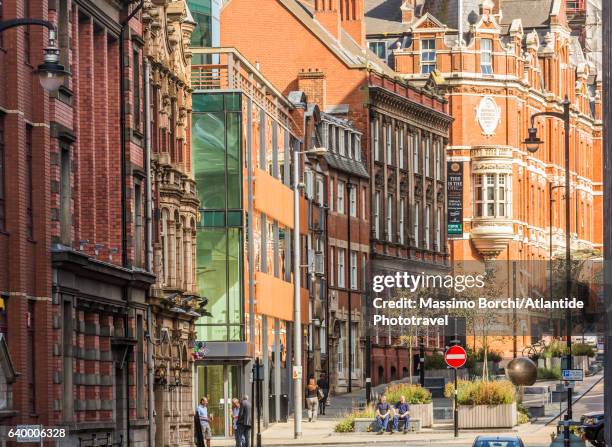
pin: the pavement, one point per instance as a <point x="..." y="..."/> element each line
<point x="588" y="397"/>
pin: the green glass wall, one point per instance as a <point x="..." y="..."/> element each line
<point x="216" y="145"/>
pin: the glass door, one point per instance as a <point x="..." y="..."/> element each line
<point x="220" y="383"/>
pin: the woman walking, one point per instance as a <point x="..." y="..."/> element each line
<point x="312" y="399"/>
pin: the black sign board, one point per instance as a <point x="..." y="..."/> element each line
<point x="454" y="194"/>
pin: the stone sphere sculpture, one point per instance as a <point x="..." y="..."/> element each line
<point x="522" y="371"/>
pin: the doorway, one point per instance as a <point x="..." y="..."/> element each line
<point x="220" y="383"/>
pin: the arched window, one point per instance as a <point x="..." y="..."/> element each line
<point x="164" y="242"/>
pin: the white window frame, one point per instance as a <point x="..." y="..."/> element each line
<point x="401" y="154"/>
<point x="376" y="139"/>
<point x="332" y="276"/>
<point x="353" y="346"/>
<point x="492" y="195"/>
<point x="439" y="229"/>
<point x="363" y="202"/>
<point x="377" y="214"/>
<point x="427" y="160"/>
<point x="402" y="211"/>
<point x="415" y="224"/>
<point x="438" y="158"/>
<point x="323" y="338"/>
<point x="389" y="218"/>
<point x="427" y="227"/>
<point x="374" y="48"/>
<point x="341" y="146"/>
<point x="353" y="272"/>
<point x="389" y="145"/>
<point x="331" y="194"/>
<point x="340" y="197"/>
<point x="320" y="190"/>
<point x="486" y="56"/>
<point x="416" y="158"/>
<point x="428" y="55"/>
<point x="340" y="351"/>
<point x="353" y="201"/>
<point x="341" y="268"/>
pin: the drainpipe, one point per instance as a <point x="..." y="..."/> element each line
<point x="149" y="243"/>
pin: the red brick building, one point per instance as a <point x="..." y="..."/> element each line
<point x="72" y="272"/>
<point x="328" y="38"/>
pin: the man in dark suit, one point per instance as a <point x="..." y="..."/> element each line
<point x="244" y="422"/>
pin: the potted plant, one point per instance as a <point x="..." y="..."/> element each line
<point x="485" y="404"/>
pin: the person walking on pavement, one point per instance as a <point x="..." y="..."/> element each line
<point x="312" y="399"/>
<point x="323" y="385"/>
<point x="205" y="420"/>
<point x="244" y="421"/>
<point x="235" y="413"/>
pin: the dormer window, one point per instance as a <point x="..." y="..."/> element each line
<point x="428" y="55"/>
<point x="380" y="49"/>
<point x="486" y="56"/>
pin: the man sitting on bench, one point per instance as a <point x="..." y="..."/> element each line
<point x="383" y="414"/>
<point x="402" y="415"/>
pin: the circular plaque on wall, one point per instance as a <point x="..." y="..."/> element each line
<point x="488" y="115"/>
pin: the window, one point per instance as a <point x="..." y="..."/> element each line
<point x="340" y="353"/>
<point x="65" y="194"/>
<point x="400" y="144"/>
<point x="427" y="156"/>
<point x="389" y="145"/>
<point x="353" y="201"/>
<point x="309" y="184"/>
<point x="428" y="55"/>
<point x="31" y="354"/>
<point x="438" y="159"/>
<point x="165" y="216"/>
<point x="415" y="153"/>
<point x="380" y="49"/>
<point x="390" y="218"/>
<point x="376" y="140"/>
<point x="363" y="202"/>
<point x="401" y="220"/>
<point x="138" y="224"/>
<point x="416" y="218"/>
<point x="29" y="183"/>
<point x="439" y="229"/>
<point x="331" y="193"/>
<point x="2" y="186"/>
<point x="136" y="86"/>
<point x="486" y="56"/>
<point x="353" y="346"/>
<point x="353" y="269"/>
<point x="377" y="215"/>
<point x="492" y="195"/>
<point x="320" y="190"/>
<point x="341" y="144"/>
<point x="330" y="137"/>
<point x="331" y="262"/>
<point x="347" y="143"/>
<point x="322" y="340"/>
<point x="340" y="197"/>
<point x="364" y="260"/>
<point x="428" y="227"/>
<point x="341" y="272"/>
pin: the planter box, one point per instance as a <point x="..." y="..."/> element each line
<point x="487" y="416"/>
<point x="580" y="362"/>
<point x="555" y="362"/>
<point x="422" y="412"/>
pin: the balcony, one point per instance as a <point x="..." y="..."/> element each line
<point x="215" y="69"/>
<point x="575" y="7"/>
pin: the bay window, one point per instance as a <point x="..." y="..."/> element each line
<point x="492" y="195"/>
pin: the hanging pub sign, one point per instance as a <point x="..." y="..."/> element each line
<point x="454" y="197"/>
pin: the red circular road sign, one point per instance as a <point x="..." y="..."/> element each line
<point x="455" y="357"/>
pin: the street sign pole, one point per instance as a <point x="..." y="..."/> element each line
<point x="456" y="409"/>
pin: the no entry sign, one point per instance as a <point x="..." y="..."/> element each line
<point x="455" y="357"/>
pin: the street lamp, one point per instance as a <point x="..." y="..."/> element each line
<point x="51" y="73"/>
<point x="532" y="144"/>
<point x="297" y="314"/>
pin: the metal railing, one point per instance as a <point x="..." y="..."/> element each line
<point x="575" y="6"/>
<point x="214" y="69"/>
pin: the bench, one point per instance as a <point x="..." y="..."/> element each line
<point x="367" y="425"/>
<point x="435" y="385"/>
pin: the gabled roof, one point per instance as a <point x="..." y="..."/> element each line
<point x="533" y="13"/>
<point x="384" y="17"/>
<point x="447" y="12"/>
<point x="427" y="17"/>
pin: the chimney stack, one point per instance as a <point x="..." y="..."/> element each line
<point x="352" y="15"/>
<point x="314" y="85"/>
<point x="327" y="13"/>
<point x="408" y="11"/>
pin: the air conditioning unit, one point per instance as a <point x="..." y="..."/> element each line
<point x="319" y="263"/>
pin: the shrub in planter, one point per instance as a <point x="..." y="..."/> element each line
<point x="415" y="394"/>
<point x="583" y="349"/>
<point x="555" y="349"/>
<point x="347" y="424"/>
<point x="553" y="373"/>
<point x="498" y="392"/>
